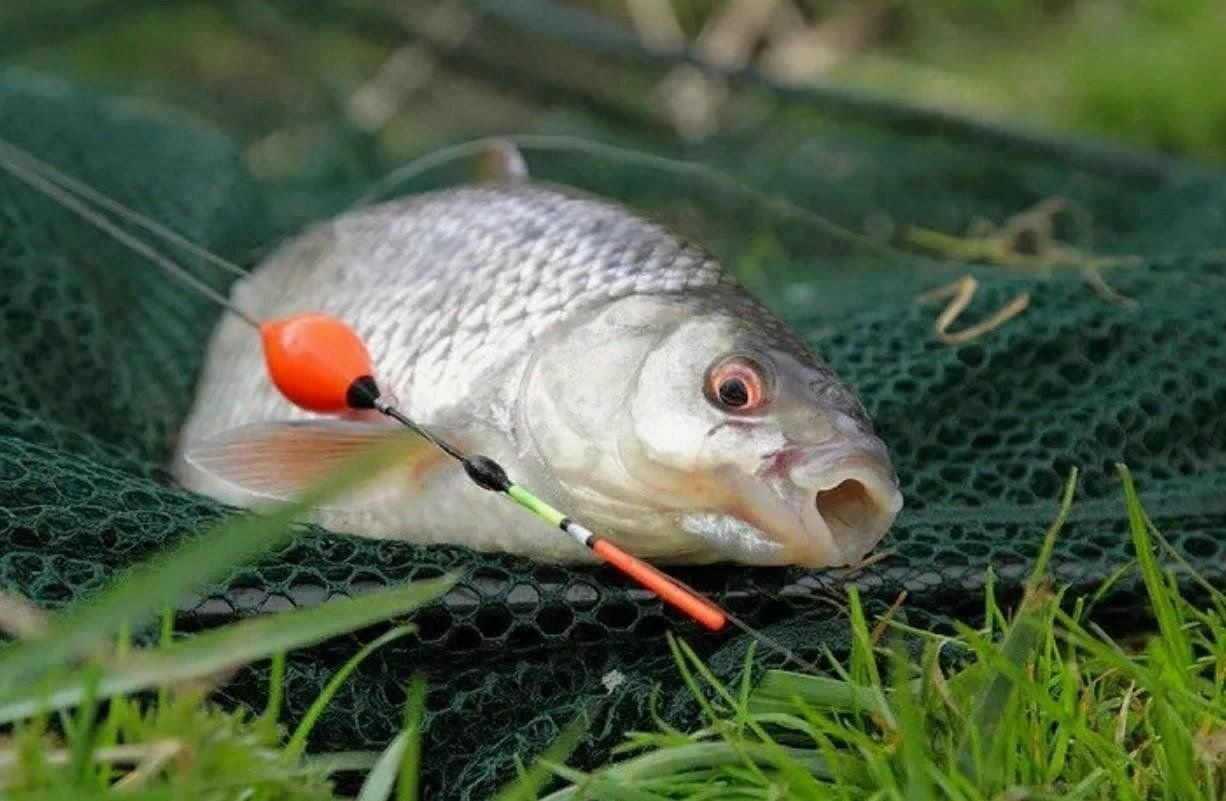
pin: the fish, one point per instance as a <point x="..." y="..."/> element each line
<point x="613" y="366"/>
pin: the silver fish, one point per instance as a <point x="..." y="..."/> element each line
<point x="614" y="369"/>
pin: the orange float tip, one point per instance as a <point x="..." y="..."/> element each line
<point x="318" y="363"/>
<point x="694" y="606"/>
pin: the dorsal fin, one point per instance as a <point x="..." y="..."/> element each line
<point x="501" y="161"/>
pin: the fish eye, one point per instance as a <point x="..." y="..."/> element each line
<point x="737" y="383"/>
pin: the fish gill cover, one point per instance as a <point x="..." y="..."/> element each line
<point x="99" y="352"/>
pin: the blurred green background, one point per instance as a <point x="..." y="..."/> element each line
<point x="1148" y="73"/>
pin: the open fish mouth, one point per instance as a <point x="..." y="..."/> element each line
<point x="830" y="518"/>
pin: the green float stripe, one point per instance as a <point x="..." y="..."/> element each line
<point x="535" y="505"/>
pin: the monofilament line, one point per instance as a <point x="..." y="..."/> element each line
<point x="72" y="195"/>
<point x="58" y="176"/>
<point x="71" y="202"/>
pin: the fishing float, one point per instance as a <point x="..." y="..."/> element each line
<point x="320" y="364"/>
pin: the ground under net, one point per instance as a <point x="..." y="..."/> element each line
<point x="99" y="351"/>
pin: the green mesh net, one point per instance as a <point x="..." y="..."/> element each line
<point x="99" y="352"/>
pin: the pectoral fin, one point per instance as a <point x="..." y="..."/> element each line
<point x="278" y="460"/>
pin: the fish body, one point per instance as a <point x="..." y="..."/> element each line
<point x="613" y="368"/>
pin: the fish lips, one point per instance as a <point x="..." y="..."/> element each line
<point x="807" y="507"/>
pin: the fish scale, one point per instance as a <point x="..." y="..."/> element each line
<point x="443" y="268"/>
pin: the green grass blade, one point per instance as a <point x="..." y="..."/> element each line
<point x="382" y="778"/>
<point x="681" y="758"/>
<point x="233" y="646"/>
<point x="276" y="692"/>
<point x="1178" y="753"/>
<point x="166" y="636"/>
<point x="779" y="689"/>
<point x="415" y="712"/>
<point x="863" y="666"/>
<point x="1169" y="623"/>
<point x="529" y="785"/>
<point x="1020" y="643"/>
<point x="1053" y="531"/>
<point x="600" y="788"/>
<point x="1216" y="597"/>
<point x="163" y="580"/>
<point x="84" y="733"/>
<point x="911" y="728"/>
<point x="342" y="762"/>
<point x="297" y="742"/>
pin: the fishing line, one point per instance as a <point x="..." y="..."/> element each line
<point x="765" y="639"/>
<point x="362" y="391"/>
<point x="779" y="205"/>
<point x="68" y="201"/>
<point x="320" y="364"/>
<point x="52" y="173"/>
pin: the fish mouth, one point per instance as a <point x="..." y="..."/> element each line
<point x="827" y="513"/>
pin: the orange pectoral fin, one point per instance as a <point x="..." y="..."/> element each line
<point x="278" y="460"/>
<point x="425" y="467"/>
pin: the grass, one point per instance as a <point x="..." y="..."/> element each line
<point x="94" y="717"/>
<point x="1042" y="705"/>
<point x="1039" y="702"/>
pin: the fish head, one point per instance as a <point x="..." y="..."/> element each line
<point x="699" y="429"/>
